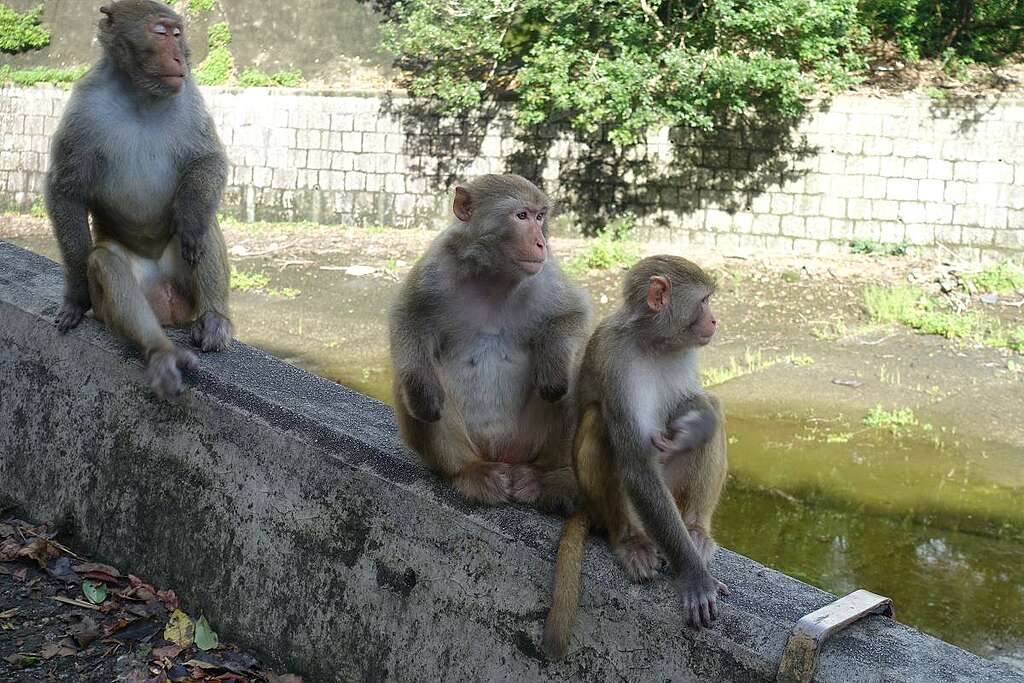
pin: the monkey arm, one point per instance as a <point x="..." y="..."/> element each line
<point x="68" y="181"/>
<point x="694" y="424"/>
<point x="196" y="200"/>
<point x="553" y="348"/>
<point x="412" y="350"/>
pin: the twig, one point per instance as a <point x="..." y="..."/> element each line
<point x="76" y="603"/>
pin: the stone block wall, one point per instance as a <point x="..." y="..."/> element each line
<point x="947" y="177"/>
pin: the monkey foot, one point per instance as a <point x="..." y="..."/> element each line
<point x="525" y="484"/>
<point x="164" y="372"/>
<point x="69" y="316"/>
<point x="639" y="558"/>
<point x="212" y="332"/>
<point x="485" y="482"/>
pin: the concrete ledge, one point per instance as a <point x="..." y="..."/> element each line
<point x="286" y="506"/>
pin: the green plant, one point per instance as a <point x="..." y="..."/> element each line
<point x="884" y="248"/>
<point x="1002" y="278"/>
<point x="195" y="7"/>
<point x="38" y="209"/>
<point x="254" y="78"/>
<point x="22" y="31"/>
<point x="219" y="64"/>
<point x="880" y="418"/>
<point x="603" y="253"/>
<point x="40" y="74"/>
<point x="245" y="281"/>
<point x="617" y="69"/>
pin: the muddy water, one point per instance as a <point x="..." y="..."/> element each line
<point x="914" y="515"/>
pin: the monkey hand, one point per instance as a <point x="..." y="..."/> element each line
<point x="70" y="314"/>
<point x="424" y="397"/>
<point x="698" y="592"/>
<point x="164" y="372"/>
<point x="686" y="432"/>
<point x="192" y="247"/>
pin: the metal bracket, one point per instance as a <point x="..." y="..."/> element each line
<point x="800" y="657"/>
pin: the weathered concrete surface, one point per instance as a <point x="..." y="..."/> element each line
<point x="286" y="507"/>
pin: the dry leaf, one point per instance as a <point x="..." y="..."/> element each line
<point x="179" y="629"/>
<point x="40" y="550"/>
<point x="283" y="678"/>
<point x="7" y="614"/>
<point x="167" y="651"/>
<point x="89" y="567"/>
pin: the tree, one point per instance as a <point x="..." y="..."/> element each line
<point x="617" y="69"/>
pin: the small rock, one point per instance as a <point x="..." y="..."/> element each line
<point x="604" y="298"/>
<point x="360" y="271"/>
<point x="947" y="285"/>
<point x="990" y="298"/>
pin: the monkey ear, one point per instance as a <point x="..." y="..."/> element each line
<point x="657" y="293"/>
<point x="463" y="204"/>
<point x="109" y="12"/>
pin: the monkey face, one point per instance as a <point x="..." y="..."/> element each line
<point x="703" y="329"/>
<point x="146" y="40"/>
<point x="528" y="242"/>
<point x="169" y="64"/>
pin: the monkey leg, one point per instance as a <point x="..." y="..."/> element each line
<point x="637" y="554"/>
<point x="209" y="281"/>
<point x="548" y="481"/>
<point x="119" y="301"/>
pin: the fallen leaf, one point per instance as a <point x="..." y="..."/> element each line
<point x="9" y="613"/>
<point x="96" y="593"/>
<point x="206" y="637"/>
<point x="170" y="600"/>
<point x="40" y="550"/>
<point x="6" y="530"/>
<point x="179" y="674"/>
<point x="140" y="631"/>
<point x="283" y="678"/>
<point x="23" y="660"/>
<point x="20" y="575"/>
<point x="60" y="569"/>
<point x="179" y="629"/>
<point x="64" y="648"/>
<point x="9" y="550"/>
<point x="167" y="651"/>
<point x="88" y="567"/>
<point x="100" y="576"/>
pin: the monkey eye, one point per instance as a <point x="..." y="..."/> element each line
<point x="161" y="29"/>
<point x="521" y="215"/>
<point x="540" y="216"/>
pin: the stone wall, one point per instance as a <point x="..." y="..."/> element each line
<point x="945" y="176"/>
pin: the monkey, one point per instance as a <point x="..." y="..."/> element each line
<point x="136" y="153"/>
<point x="649" y="451"/>
<point x="484" y="334"/>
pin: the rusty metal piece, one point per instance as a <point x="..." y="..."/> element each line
<point x="801" y="655"/>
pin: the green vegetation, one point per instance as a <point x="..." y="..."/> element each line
<point x="196" y="7"/>
<point x="254" y="78"/>
<point x="38" y="209"/>
<point x="21" y="31"/>
<point x="958" y="32"/>
<point x="40" y="74"/>
<point x="1002" y="278"/>
<point x="880" y="418"/>
<point x="750" y="363"/>
<point x="246" y="281"/>
<point x="616" y="69"/>
<point x="908" y="305"/>
<point x="883" y="248"/>
<point x="219" y="64"/>
<point x="603" y="253"/>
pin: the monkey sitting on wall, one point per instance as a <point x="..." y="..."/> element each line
<point x="484" y="335"/>
<point x="650" y="448"/>
<point x="137" y="152"/>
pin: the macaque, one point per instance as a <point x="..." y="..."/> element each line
<point x="137" y="154"/>
<point x="484" y="334"/>
<point x="650" y="449"/>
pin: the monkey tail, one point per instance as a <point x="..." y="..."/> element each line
<point x="565" y="597"/>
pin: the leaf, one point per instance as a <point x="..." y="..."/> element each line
<point x="85" y="631"/>
<point x="60" y="569"/>
<point x="206" y="637"/>
<point x="166" y="652"/>
<point x="96" y="593"/>
<point x="8" y="613"/>
<point x="40" y="550"/>
<point x="23" y="660"/>
<point x="179" y="629"/>
<point x="170" y="600"/>
<point x="89" y="567"/>
<point x="283" y="678"/>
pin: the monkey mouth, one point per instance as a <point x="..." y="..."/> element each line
<point x="173" y="80"/>
<point x="531" y="266"/>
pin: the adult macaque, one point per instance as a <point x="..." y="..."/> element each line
<point x="136" y="151"/>
<point x="484" y="335"/>
<point x="649" y="452"/>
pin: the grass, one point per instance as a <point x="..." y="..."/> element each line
<point x="750" y="363"/>
<point x="879" y="418"/>
<point x="38" y="209"/>
<point x="882" y="248"/>
<point x="270" y="227"/>
<point x="1002" y="278"/>
<point x="254" y="78"/>
<point x="248" y="281"/>
<point x="910" y="306"/>
<point x="21" y="31"/>
<point x="40" y="74"/>
<point x="830" y="330"/>
<point x="603" y="253"/>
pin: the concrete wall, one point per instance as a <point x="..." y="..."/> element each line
<point x="889" y="169"/>
<point x="285" y="508"/>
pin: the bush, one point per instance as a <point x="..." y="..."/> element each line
<point x="20" y="32"/>
<point x="975" y="30"/>
<point x="40" y="74"/>
<point x="254" y="78"/>
<point x="219" y="64"/>
<point x="617" y="69"/>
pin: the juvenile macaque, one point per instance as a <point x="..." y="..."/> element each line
<point x="650" y="449"/>
<point x="136" y="152"/>
<point x="484" y="336"/>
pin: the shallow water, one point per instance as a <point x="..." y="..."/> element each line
<point x="915" y="515"/>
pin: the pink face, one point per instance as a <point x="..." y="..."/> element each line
<point x="166" y="35"/>
<point x="529" y="248"/>
<point x="707" y="323"/>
